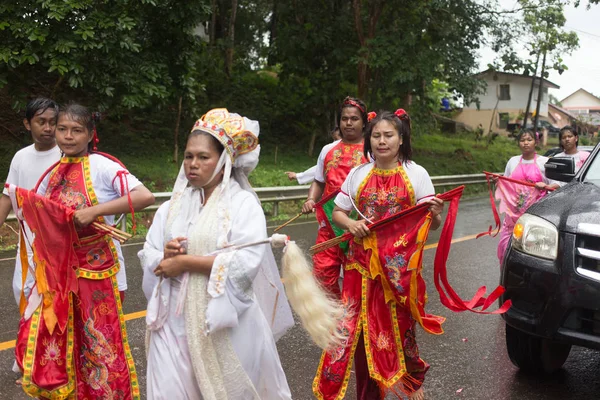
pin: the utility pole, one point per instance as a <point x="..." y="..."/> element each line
<point x="537" y="61"/>
<point x="540" y="92"/>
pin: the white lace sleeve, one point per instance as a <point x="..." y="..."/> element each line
<point x="152" y="253"/>
<point x="231" y="280"/>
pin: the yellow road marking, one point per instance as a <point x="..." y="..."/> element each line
<point x="140" y="314"/>
<point x="7" y="345"/>
<point x="135" y="315"/>
<point x="457" y="240"/>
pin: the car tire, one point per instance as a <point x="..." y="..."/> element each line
<point x="535" y="355"/>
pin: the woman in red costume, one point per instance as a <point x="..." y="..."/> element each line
<point x="72" y="341"/>
<point x="334" y="163"/>
<point x="381" y="322"/>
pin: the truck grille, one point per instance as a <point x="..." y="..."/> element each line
<point x="588" y="251"/>
<point x="583" y="320"/>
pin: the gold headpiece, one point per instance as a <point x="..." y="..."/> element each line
<point x="230" y="130"/>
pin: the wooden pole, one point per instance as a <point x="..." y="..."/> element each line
<point x="531" y="92"/>
<point x="176" y="136"/>
<point x="540" y="92"/>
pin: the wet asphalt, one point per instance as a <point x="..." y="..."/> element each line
<point x="468" y="361"/>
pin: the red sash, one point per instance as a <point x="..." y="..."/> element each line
<point x="88" y="356"/>
<point x="338" y="163"/>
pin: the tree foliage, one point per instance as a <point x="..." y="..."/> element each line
<point x="286" y="63"/>
<point x="539" y="29"/>
<point x="124" y="54"/>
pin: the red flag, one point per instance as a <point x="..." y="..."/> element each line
<point x="448" y="295"/>
<point x="396" y="251"/>
<point x="52" y="226"/>
<point x="515" y="197"/>
<point x="324" y="211"/>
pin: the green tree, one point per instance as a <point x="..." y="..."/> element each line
<point x="313" y="47"/>
<point x="405" y="45"/>
<point x="554" y="100"/>
<point x="543" y="30"/>
<point x="119" y="53"/>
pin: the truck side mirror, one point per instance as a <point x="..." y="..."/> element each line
<point x="560" y="169"/>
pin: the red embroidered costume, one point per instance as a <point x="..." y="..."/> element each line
<point x="72" y="341"/>
<point x="335" y="162"/>
<point x="383" y="289"/>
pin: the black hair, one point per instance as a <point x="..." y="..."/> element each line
<point x="39" y="105"/>
<point x="567" y="128"/>
<point x="334" y="130"/>
<point x="529" y="132"/>
<point x="348" y="102"/>
<point x="402" y="126"/>
<point x="83" y="116"/>
<point x="218" y="145"/>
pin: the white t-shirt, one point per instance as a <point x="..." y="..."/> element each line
<point x="577" y="157"/>
<point x="28" y="165"/>
<point x="417" y="175"/>
<point x="26" y="168"/>
<point x="512" y="164"/>
<point x="321" y="161"/>
<point x="103" y="173"/>
<point x="306" y="176"/>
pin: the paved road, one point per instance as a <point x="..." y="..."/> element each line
<point x="468" y="362"/>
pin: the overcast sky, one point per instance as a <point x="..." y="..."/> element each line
<point x="584" y="63"/>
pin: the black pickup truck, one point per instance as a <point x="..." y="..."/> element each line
<point x="551" y="271"/>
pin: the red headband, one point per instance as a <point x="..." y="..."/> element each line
<point x="350" y="102"/>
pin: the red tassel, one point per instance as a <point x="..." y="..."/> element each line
<point x="95" y="140"/>
<point x="125" y="189"/>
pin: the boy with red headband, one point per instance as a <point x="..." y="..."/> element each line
<point x="334" y="163"/>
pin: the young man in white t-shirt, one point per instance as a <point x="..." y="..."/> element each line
<point x="27" y="166"/>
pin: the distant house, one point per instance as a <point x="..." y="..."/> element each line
<point x="505" y="101"/>
<point x="560" y="117"/>
<point x="583" y="105"/>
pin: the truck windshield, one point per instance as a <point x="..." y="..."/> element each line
<point x="592" y="174"/>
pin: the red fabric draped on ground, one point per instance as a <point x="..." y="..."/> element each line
<point x="448" y="296"/>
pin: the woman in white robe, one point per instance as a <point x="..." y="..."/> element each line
<point x="214" y="315"/>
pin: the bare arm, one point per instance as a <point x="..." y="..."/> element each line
<point x="357" y="228"/>
<point x="177" y="265"/>
<point x="436" y="206"/>
<point x="5" y="207"/>
<point x="545" y="186"/>
<point x="141" y="198"/>
<point x="314" y="194"/>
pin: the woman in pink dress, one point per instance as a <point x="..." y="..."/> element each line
<point x="516" y="198"/>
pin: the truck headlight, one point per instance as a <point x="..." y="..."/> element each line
<point x="535" y="236"/>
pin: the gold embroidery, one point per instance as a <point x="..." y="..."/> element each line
<point x="401" y="241"/>
<point x="383" y="342"/>
<point x="51" y="352"/>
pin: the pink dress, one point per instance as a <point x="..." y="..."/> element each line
<point x="515" y="199"/>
